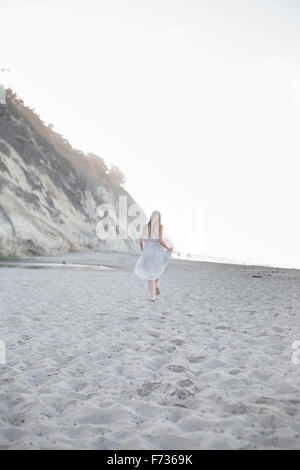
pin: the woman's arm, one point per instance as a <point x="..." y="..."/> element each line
<point x="161" y="240"/>
<point x="142" y="237"/>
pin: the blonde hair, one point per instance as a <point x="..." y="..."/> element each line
<point x="154" y="224"/>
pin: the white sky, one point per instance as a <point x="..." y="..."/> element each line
<point x="198" y="102"/>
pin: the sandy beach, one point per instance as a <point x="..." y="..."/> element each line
<point x="91" y="363"/>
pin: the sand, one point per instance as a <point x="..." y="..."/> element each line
<point x="91" y="363"/>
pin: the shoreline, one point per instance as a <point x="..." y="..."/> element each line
<point x="93" y="257"/>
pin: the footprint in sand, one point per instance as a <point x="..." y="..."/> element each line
<point x="182" y="394"/>
<point x="196" y="359"/>
<point x="176" y="368"/>
<point x="185" y="383"/>
<point x="154" y="335"/>
<point x="236" y="408"/>
<point x="147" y="388"/>
<point x="177" y="342"/>
<point x="167" y="348"/>
<point x="223" y="327"/>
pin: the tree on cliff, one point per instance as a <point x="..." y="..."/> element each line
<point x="117" y="178"/>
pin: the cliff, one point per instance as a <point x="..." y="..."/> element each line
<point x="50" y="192"/>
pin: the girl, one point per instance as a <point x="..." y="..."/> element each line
<point x="155" y="256"/>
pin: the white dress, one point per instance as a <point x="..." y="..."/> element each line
<point x="153" y="260"/>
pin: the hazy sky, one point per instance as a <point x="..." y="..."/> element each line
<point x="198" y="102"/>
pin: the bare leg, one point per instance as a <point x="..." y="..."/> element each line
<point x="151" y="285"/>
<point x="157" y="291"/>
